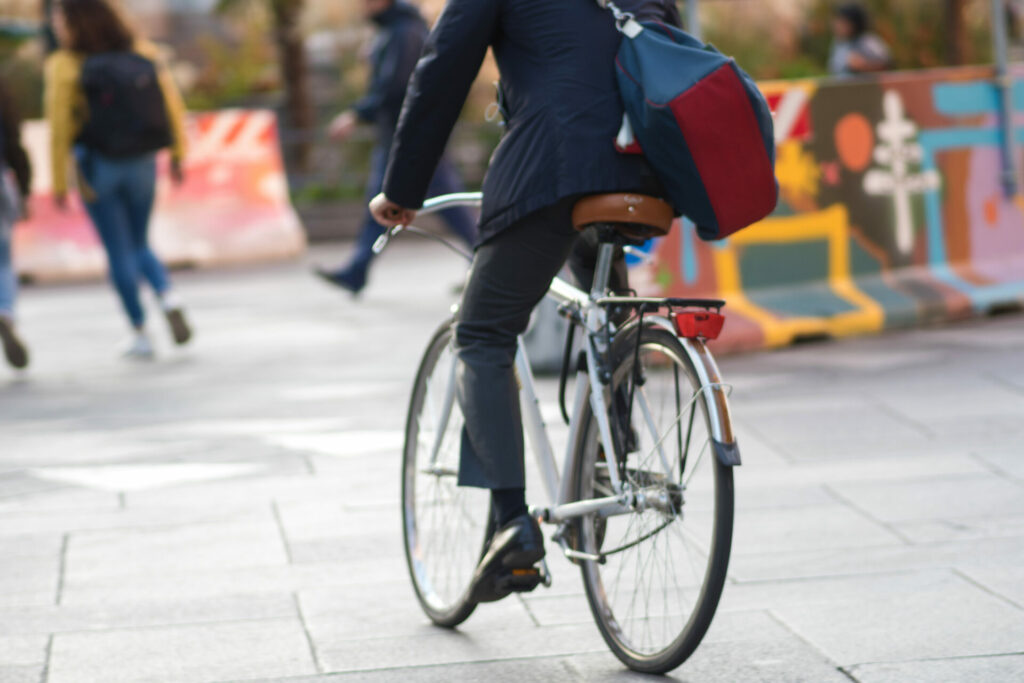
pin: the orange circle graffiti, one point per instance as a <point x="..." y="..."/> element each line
<point x="854" y="142"/>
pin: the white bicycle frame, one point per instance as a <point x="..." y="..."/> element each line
<point x="590" y="309"/>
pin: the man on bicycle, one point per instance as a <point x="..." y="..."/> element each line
<point x="561" y="103"/>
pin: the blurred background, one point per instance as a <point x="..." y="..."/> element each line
<point x="305" y="59"/>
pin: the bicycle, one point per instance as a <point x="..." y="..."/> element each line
<point x="650" y="526"/>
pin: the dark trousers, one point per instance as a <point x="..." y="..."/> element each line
<point x="511" y="273"/>
<point x="460" y="220"/>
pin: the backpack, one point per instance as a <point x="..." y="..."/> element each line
<point x="701" y="123"/>
<point x="127" y="112"/>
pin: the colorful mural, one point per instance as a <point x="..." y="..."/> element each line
<point x="892" y="213"/>
<point x="232" y="208"/>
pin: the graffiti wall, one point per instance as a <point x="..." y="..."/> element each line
<point x="232" y="208"/>
<point x="892" y="213"/>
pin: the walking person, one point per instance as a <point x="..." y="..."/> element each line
<point x="15" y="187"/>
<point x="856" y="50"/>
<point x="563" y="110"/>
<point x="111" y="105"/>
<point x="398" y="44"/>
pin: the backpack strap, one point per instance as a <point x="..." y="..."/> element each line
<point x="625" y="22"/>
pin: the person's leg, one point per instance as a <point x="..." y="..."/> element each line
<point x="352" y="276"/>
<point x="137" y="193"/>
<point x="461" y="220"/>
<point x="510" y="275"/>
<point x="8" y="279"/>
<point x="13" y="346"/>
<point x="110" y="217"/>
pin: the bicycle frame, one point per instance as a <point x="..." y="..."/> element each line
<point x="588" y="311"/>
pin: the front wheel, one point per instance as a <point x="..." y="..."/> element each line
<point x="445" y="526"/>
<point x="665" y="564"/>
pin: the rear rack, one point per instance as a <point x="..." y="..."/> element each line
<point x="649" y="304"/>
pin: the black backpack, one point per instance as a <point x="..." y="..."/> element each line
<point x="127" y="112"/>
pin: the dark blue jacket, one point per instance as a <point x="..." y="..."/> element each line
<point x="396" y="48"/>
<point x="557" y="64"/>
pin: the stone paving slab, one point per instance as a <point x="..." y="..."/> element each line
<point x="916" y="615"/>
<point x="231" y="511"/>
<point x="228" y="650"/>
<point x="154" y="610"/>
<point x="996" y="668"/>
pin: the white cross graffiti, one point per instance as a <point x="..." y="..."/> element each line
<point x="897" y="151"/>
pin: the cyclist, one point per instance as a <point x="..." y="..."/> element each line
<point x="562" y="107"/>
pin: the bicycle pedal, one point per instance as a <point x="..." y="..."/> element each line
<point x="519" y="580"/>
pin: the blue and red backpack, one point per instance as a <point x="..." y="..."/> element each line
<point x="701" y="123"/>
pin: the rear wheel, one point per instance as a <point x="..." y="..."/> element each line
<point x="665" y="564"/>
<point x="445" y="526"/>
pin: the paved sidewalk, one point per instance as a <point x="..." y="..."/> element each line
<point x="230" y="512"/>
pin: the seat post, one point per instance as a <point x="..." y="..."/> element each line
<point x="605" y="256"/>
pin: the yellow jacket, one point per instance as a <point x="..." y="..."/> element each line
<point x="67" y="110"/>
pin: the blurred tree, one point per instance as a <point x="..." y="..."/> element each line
<point x="956" y="32"/>
<point x="287" y="15"/>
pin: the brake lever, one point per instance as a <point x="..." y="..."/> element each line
<point x="382" y="242"/>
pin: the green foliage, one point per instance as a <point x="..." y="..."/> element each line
<point x="315" y="193"/>
<point x="23" y="75"/>
<point x="234" y="71"/>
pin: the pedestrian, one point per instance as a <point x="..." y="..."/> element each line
<point x="855" y="49"/>
<point x="111" y="105"/>
<point x="563" y="111"/>
<point x="401" y="32"/>
<point x="15" y="187"/>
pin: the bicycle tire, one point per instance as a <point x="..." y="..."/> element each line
<point x="594" y="538"/>
<point x="455" y="521"/>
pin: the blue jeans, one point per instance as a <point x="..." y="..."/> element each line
<point x="8" y="280"/>
<point x="460" y="220"/>
<point x="123" y="192"/>
<point x="9" y="209"/>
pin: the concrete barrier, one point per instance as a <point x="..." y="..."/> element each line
<point x="892" y="214"/>
<point x="233" y="207"/>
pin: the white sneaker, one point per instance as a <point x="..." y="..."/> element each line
<point x="139" y="347"/>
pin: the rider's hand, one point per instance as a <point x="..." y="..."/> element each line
<point x="343" y="125"/>
<point x="389" y="214"/>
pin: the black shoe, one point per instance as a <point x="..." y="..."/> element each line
<point x="508" y="565"/>
<point x="14" y="348"/>
<point x="345" y="279"/>
<point x="181" y="331"/>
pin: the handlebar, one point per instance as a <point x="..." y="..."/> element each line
<point x="432" y="205"/>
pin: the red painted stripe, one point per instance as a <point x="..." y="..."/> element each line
<point x="721" y="130"/>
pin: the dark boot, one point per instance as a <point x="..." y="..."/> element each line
<point x="352" y="279"/>
<point x="14" y="348"/>
<point x="508" y="565"/>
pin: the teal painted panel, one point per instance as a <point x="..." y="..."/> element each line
<point x="780" y="265"/>
<point x="814" y="300"/>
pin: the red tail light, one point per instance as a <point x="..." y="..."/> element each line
<point x="698" y="324"/>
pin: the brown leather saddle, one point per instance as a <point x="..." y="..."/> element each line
<point x="635" y="216"/>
